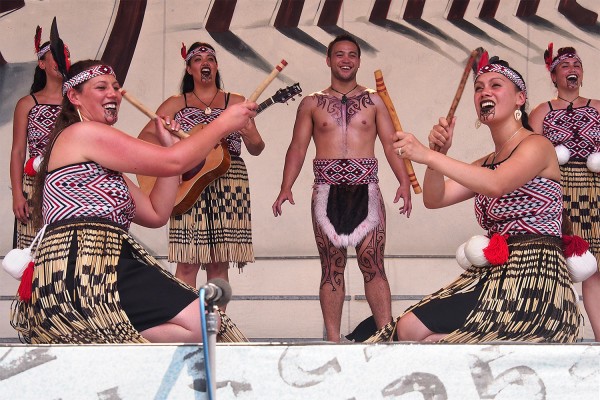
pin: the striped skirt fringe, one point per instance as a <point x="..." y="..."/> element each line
<point x="529" y="298"/>
<point x="581" y="199"/>
<point x="218" y="226"/>
<point x="51" y="316"/>
<point x="26" y="232"/>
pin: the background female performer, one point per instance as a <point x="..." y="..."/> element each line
<point x="573" y="123"/>
<point x="217" y="229"/>
<point x="34" y="119"/>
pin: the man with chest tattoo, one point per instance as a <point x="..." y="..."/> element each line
<point x="347" y="208"/>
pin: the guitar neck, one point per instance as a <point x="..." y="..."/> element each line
<point x="264" y="105"/>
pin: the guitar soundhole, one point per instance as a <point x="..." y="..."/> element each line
<point x="186" y="176"/>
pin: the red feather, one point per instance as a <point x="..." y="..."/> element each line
<point x="496" y="251"/>
<point x="26" y="283"/>
<point x="483" y="61"/>
<point x="574" y="245"/>
<point x="183" y="51"/>
<point x="548" y="56"/>
<point x="37" y="38"/>
<point x="67" y="57"/>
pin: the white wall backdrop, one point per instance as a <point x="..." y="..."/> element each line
<point x="422" y="62"/>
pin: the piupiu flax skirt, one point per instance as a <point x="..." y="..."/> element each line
<point x="26" y="232"/>
<point x="581" y="199"/>
<point x="93" y="283"/>
<point x="218" y="226"/>
<point x="529" y="298"/>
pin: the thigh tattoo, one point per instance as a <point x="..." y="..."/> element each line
<point x="370" y="251"/>
<point x="333" y="260"/>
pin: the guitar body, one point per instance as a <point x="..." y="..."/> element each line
<point x="196" y="180"/>
<point x="214" y="166"/>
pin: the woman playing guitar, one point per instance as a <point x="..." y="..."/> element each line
<point x="216" y="230"/>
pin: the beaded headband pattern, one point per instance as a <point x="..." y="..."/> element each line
<point x="86" y="75"/>
<point x="507" y="72"/>
<point x="558" y="59"/>
<point x="202" y="49"/>
<point x="43" y="51"/>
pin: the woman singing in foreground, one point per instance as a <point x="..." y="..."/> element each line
<point x="525" y="294"/>
<point x="92" y="282"/>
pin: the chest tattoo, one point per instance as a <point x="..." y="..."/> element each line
<point x="343" y="113"/>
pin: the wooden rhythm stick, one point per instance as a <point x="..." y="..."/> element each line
<point x="254" y="96"/>
<point x="149" y="113"/>
<point x="461" y="87"/>
<point x="383" y="93"/>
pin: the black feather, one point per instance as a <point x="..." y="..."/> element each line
<point x="57" y="47"/>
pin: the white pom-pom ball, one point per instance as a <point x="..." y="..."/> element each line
<point x="461" y="258"/>
<point x="593" y="162"/>
<point x="37" y="162"/>
<point x="563" y="154"/>
<point x="474" y="250"/>
<point x="15" y="262"/>
<point x="582" y="267"/>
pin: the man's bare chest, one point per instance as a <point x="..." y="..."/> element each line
<point x="357" y="113"/>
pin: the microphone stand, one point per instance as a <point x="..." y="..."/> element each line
<point x="211" y="343"/>
<point x="219" y="294"/>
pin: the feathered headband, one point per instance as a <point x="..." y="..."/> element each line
<point x="551" y="63"/>
<point x="37" y="40"/>
<point x="486" y="65"/>
<point x="201" y="49"/>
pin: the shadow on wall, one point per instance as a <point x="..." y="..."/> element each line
<point x="15" y="81"/>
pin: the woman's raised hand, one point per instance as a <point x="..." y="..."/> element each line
<point x="237" y="116"/>
<point x="166" y="128"/>
<point x="440" y="136"/>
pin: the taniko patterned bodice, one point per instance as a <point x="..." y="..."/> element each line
<point x="578" y="130"/>
<point x="535" y="207"/>
<point x="40" y="122"/>
<point x="189" y="117"/>
<point x="87" y="190"/>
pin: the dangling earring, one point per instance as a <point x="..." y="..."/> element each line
<point x="477" y="123"/>
<point x="79" y="113"/>
<point x="518" y="114"/>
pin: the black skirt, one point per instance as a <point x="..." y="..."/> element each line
<point x="146" y="295"/>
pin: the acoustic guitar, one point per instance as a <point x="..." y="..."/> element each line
<point x="215" y="165"/>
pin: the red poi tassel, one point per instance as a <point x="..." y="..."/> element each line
<point x="28" y="169"/>
<point x="574" y="245"/>
<point x="497" y="251"/>
<point x="24" y="290"/>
